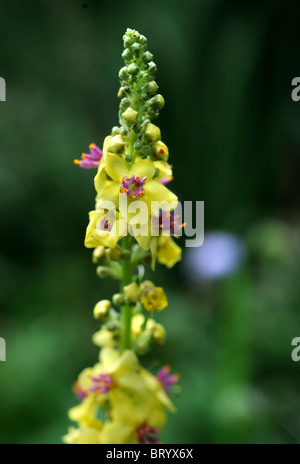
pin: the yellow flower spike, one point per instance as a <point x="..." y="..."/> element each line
<point x="101" y="309"/>
<point x="152" y="133"/>
<point x="115" y="144"/>
<point x="154" y="299"/>
<point x="132" y="292"/>
<point x="130" y="115"/>
<point x="161" y="151"/>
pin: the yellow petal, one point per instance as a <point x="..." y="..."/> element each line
<point x="169" y="253"/>
<point x="142" y="168"/>
<point x="154" y="191"/>
<point x="116" y="167"/>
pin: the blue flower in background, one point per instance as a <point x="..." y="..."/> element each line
<point x="221" y="255"/>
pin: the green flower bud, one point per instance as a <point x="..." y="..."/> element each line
<point x="125" y="102"/>
<point x="123" y="74"/>
<point x="143" y="40"/>
<point x="147" y="150"/>
<point x="152" y="67"/>
<point x="138" y="145"/>
<point x="114" y="253"/>
<point x="128" y="158"/>
<point x="103" y="271"/>
<point x="127" y="55"/>
<point x="133" y="69"/>
<point x="128" y="41"/>
<point x="136" y="48"/>
<point x="118" y="299"/>
<point x="122" y="93"/>
<point x="115" y="130"/>
<point x="147" y="57"/>
<point x="123" y="131"/>
<point x="137" y="128"/>
<point x="152" y="87"/>
<point x="157" y="102"/>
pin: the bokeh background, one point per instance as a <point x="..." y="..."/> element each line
<point x="225" y="69"/>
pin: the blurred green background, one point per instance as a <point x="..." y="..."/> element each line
<point x="225" y="69"/>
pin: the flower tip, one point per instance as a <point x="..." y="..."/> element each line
<point x="92" y="145"/>
<point x="77" y="162"/>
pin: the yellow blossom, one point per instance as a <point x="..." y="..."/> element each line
<point x="132" y="292"/>
<point x="105" y="228"/>
<point x="154" y="299"/>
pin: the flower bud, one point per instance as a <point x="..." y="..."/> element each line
<point x="136" y="48"/>
<point x="152" y="133"/>
<point x="128" y="41"/>
<point x="103" y="271"/>
<point x="142" y="342"/>
<point x="116" y="144"/>
<point x="122" y="93"/>
<point x="125" y="102"/>
<point x="126" y="255"/>
<point x="127" y="55"/>
<point x="147" y="150"/>
<point x="143" y="40"/>
<point x="123" y="131"/>
<point x="152" y="67"/>
<point x="123" y="74"/>
<point x="147" y="57"/>
<point x="133" y="69"/>
<point x="132" y="292"/>
<point x="130" y="115"/>
<point x="157" y="102"/>
<point x="161" y="151"/>
<point x="115" y="130"/>
<point x="152" y="87"/>
<point x="118" y="299"/>
<point x="99" y="255"/>
<point x="101" y="309"/>
<point x="128" y="158"/>
<point x="158" y="334"/>
<point x="114" y="253"/>
<point x="137" y="128"/>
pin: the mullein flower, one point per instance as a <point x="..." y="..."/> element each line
<point x="133" y="166"/>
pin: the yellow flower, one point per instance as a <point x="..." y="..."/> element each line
<point x="135" y="182"/>
<point x="154" y="299"/>
<point x="105" y="228"/>
<point x="165" y="250"/>
<point x="83" y="436"/>
<point x="105" y="337"/>
<point x="134" y="419"/>
<point x="85" y="412"/>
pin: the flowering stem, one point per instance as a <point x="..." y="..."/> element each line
<point x="126" y="309"/>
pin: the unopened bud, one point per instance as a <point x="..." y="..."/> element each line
<point x="122" y="92"/>
<point x="136" y="48"/>
<point x="158" y="334"/>
<point x="114" y="253"/>
<point x="132" y="292"/>
<point x="153" y="133"/>
<point x="115" y="130"/>
<point x="130" y="115"/>
<point x="157" y="102"/>
<point x="152" y="88"/>
<point x="127" y="55"/>
<point x="99" y="255"/>
<point x="152" y="67"/>
<point x="123" y="74"/>
<point x="147" y="57"/>
<point x="128" y="159"/>
<point x="101" y="309"/>
<point x="118" y="299"/>
<point x="161" y="151"/>
<point x="133" y="69"/>
<point x="103" y="271"/>
<point x="116" y="144"/>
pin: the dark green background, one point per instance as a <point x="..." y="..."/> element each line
<point x="225" y="69"/>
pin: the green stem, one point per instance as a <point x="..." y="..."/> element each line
<point x="126" y="309"/>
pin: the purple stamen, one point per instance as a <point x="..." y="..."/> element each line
<point x="90" y="160"/>
<point x="167" y="379"/>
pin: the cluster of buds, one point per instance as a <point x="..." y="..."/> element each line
<point x="132" y="166"/>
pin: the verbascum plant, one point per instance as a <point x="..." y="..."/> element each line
<point x="122" y="402"/>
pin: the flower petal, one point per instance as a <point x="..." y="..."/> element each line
<point x="116" y="167"/>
